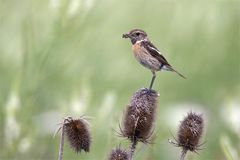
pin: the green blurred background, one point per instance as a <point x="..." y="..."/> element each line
<point x="67" y="58"/>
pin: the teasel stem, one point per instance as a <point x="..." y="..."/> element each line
<point x="183" y="154"/>
<point x="133" y="148"/>
<point x="60" y="153"/>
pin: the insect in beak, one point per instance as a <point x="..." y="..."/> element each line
<point x="126" y="35"/>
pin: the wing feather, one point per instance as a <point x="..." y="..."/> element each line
<point x="153" y="51"/>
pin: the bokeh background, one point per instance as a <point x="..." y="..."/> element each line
<point x="67" y="58"/>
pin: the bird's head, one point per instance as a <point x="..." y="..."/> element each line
<point x="135" y="35"/>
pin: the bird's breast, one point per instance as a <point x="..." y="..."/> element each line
<point x="137" y="49"/>
<point x="143" y="57"/>
<point x="139" y="52"/>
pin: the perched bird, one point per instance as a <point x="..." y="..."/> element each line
<point x="147" y="54"/>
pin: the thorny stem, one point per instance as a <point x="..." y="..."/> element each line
<point x="133" y="148"/>
<point x="183" y="154"/>
<point x="60" y="153"/>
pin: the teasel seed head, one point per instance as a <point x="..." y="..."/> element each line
<point x="189" y="133"/>
<point x="119" y="154"/>
<point x="139" y="119"/>
<point x="78" y="134"/>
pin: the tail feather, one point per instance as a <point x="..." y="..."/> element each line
<point x="170" y="68"/>
<point x="179" y="74"/>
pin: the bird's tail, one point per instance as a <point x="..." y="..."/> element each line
<point x="173" y="70"/>
<point x="179" y="74"/>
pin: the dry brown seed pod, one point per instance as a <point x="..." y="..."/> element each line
<point x="139" y="119"/>
<point x="119" y="154"/>
<point x="189" y="133"/>
<point x="78" y="134"/>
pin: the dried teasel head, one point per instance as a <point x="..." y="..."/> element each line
<point x="78" y="134"/>
<point x="119" y="154"/>
<point x="139" y="119"/>
<point x="189" y="133"/>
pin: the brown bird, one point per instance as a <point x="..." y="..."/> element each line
<point x="147" y="54"/>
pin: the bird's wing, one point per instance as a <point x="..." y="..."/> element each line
<point x="153" y="51"/>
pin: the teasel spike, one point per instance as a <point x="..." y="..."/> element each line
<point x="119" y="154"/>
<point x="139" y="119"/>
<point x="78" y="134"/>
<point x="189" y="134"/>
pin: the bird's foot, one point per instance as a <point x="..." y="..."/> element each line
<point x="148" y="91"/>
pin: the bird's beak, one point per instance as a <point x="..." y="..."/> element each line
<point x="126" y="35"/>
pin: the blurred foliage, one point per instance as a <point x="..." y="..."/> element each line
<point x="67" y="57"/>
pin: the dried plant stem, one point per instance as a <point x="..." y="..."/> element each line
<point x="60" y="153"/>
<point x="183" y="154"/>
<point x="133" y="148"/>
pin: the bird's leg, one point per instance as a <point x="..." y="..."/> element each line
<point x="152" y="81"/>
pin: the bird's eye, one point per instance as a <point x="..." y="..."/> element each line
<point x="137" y="34"/>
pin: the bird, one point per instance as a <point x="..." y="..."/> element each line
<point x="147" y="54"/>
